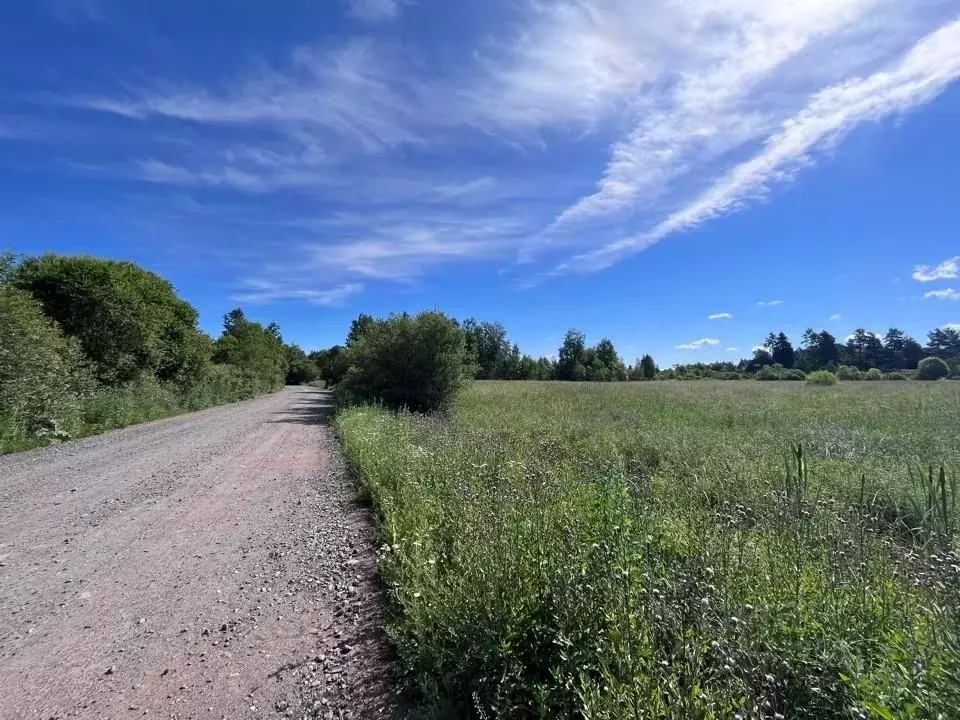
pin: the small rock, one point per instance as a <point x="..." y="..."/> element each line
<point x="110" y="670"/>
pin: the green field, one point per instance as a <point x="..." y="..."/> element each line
<point x="673" y="550"/>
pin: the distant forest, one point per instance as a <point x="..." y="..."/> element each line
<point x="493" y="356"/>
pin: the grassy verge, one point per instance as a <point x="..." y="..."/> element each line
<point x="102" y="409"/>
<point x="672" y="551"/>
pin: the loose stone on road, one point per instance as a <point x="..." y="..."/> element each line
<point x="207" y="566"/>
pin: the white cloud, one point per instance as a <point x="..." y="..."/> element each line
<point x="947" y="270"/>
<point x="219" y="176"/>
<point x="399" y="246"/>
<point x="952" y="326"/>
<point x="261" y="290"/>
<point x="733" y="349"/>
<point x="729" y="50"/>
<point x="347" y="94"/>
<point x="770" y="303"/>
<point x="720" y="316"/>
<point x="374" y="10"/>
<point x="918" y="76"/>
<point x="947" y="294"/>
<point x="699" y="344"/>
<point x="835" y="317"/>
<point x="573" y="61"/>
<point x="705" y="105"/>
<point x="755" y="348"/>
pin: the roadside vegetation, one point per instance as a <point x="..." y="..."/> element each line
<point x="659" y="549"/>
<point x="864" y="356"/>
<point x="88" y="345"/>
<point x="672" y="550"/>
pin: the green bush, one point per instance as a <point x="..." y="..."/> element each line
<point x="932" y="369"/>
<point x="257" y="352"/>
<point x="301" y="370"/>
<point x="895" y="376"/>
<point x="767" y="372"/>
<point x="220" y="384"/>
<point x="848" y="372"/>
<point x="821" y="377"/>
<point x="43" y="376"/>
<point x="127" y="320"/>
<point x="793" y="374"/>
<point x="873" y="374"/>
<point x="418" y="363"/>
<point x="143" y="345"/>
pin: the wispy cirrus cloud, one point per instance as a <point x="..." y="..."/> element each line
<point x="835" y="317"/>
<point x="699" y="344"/>
<point x="769" y="303"/>
<point x="374" y="11"/>
<point x="720" y="316"/>
<point x="357" y="249"/>
<point x="728" y="51"/>
<point x="345" y="93"/>
<point x="792" y="138"/>
<point x="705" y="106"/>
<point x="947" y="270"/>
<point x="261" y="290"/>
<point x="946" y="294"/>
<point x="733" y="349"/>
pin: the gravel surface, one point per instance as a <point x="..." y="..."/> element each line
<point x="214" y="565"/>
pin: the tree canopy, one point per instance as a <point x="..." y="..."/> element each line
<point x="256" y="351"/>
<point x="128" y="320"/>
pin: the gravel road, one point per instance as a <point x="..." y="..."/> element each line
<point x="214" y="565"/>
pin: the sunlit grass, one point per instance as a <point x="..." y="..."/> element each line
<point x="675" y="550"/>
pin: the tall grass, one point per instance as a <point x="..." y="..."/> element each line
<point x="672" y="551"/>
<point x="96" y="409"/>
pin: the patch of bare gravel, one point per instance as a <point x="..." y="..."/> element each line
<point x="215" y="565"/>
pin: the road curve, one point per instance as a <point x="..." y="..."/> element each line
<point x="213" y="565"/>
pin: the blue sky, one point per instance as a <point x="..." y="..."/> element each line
<point x="628" y="168"/>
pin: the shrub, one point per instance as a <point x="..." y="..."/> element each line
<point x="418" y="363"/>
<point x="873" y="374"/>
<point x="932" y="369"/>
<point x="42" y="375"/>
<point x="821" y="377"/>
<point x="127" y="320"/>
<point x="301" y="370"/>
<point x="767" y="372"/>
<point x="895" y="376"/>
<point x="794" y="374"/>
<point x="256" y="351"/>
<point x="848" y="372"/>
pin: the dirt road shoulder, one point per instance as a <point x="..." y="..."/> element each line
<point x="215" y="565"/>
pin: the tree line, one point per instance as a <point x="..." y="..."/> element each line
<point x="491" y="355"/>
<point x="89" y="344"/>
<point x="864" y="355"/>
<point x="418" y="362"/>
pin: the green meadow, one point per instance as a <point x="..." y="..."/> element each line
<point x="672" y="550"/>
